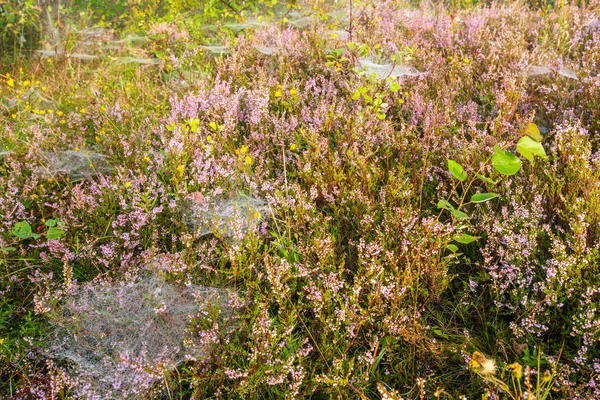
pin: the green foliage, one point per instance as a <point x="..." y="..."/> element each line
<point x="505" y="162"/>
<point x="457" y="170"/>
<point x="529" y="147"/>
<point x="22" y="230"/>
<point x="483" y="197"/>
<point x="465" y="238"/>
<point x="20" y="26"/>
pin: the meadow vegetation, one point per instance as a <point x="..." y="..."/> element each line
<point x="401" y="199"/>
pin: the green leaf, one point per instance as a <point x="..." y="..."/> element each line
<point x="465" y="238"/>
<point x="486" y="179"/>
<point x="528" y="147"/>
<point x="457" y="170"/>
<point x="533" y="131"/>
<point x="22" y="230"/>
<point x="51" y="223"/>
<point x="364" y="50"/>
<point x="194" y="124"/>
<point x="483" y="197"/>
<point x="459" y="214"/>
<point x="54" y="233"/>
<point x="395" y="86"/>
<point x="356" y="95"/>
<point x="445" y="205"/>
<point x="505" y="162"/>
<point x="452" y="247"/>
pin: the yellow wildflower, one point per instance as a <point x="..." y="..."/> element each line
<point x="547" y="377"/>
<point x="516" y="369"/>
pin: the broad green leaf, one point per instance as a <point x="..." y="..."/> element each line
<point x="452" y="247"/>
<point x="457" y="170"/>
<point x="445" y="205"/>
<point x="22" y="230"/>
<point x="528" y="147"/>
<point x="54" y="233"/>
<point x="505" y="162"/>
<point x="483" y="197"/>
<point x="395" y="86"/>
<point x="459" y="214"/>
<point x="533" y="131"/>
<point x="356" y="95"/>
<point x="50" y="223"/>
<point x="465" y="238"/>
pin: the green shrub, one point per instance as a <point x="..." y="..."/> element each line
<point x="20" y="25"/>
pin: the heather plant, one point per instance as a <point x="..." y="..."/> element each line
<point x="391" y="191"/>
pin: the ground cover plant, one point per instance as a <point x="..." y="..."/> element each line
<point x="279" y="200"/>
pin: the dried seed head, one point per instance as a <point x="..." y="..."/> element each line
<point x="482" y="365"/>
